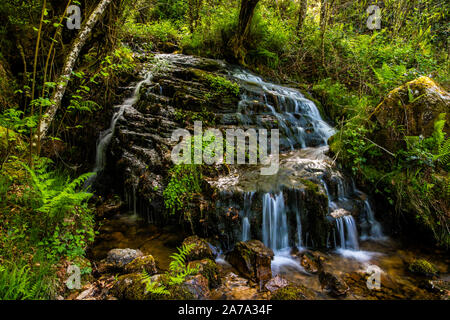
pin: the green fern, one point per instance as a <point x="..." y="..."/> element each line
<point x="442" y="144"/>
<point x="154" y="287"/>
<point x="54" y="201"/>
<point x="178" y="268"/>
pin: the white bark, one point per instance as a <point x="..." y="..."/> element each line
<point x="69" y="64"/>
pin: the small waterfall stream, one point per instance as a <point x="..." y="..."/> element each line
<point x="302" y="126"/>
<point x="106" y="136"/>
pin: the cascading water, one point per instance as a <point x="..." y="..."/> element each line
<point x="301" y="126"/>
<point x="106" y="136"/>
<point x="275" y="230"/>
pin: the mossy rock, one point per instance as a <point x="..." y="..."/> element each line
<point x="141" y="264"/>
<point x="289" y="292"/>
<point x="200" y="250"/>
<point x="133" y="287"/>
<point x="422" y="267"/>
<point x="410" y="110"/>
<point x="208" y="268"/>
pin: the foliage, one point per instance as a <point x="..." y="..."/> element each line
<point x="179" y="270"/>
<point x="184" y="183"/>
<point x="44" y="218"/>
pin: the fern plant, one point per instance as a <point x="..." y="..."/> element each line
<point x="179" y="270"/>
<point x="53" y="200"/>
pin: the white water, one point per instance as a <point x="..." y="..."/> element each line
<point x="107" y="135"/>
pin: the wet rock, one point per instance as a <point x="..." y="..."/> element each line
<point x="422" y="267"/>
<point x="309" y="262"/>
<point x="141" y="264"/>
<point x="235" y="287"/>
<point x="109" y="207"/>
<point x="276" y="283"/>
<point x="197" y="285"/>
<point x="442" y="287"/>
<point x="332" y="284"/>
<point x="289" y="292"/>
<point x="252" y="259"/>
<point x="119" y="258"/>
<point x="200" y="249"/>
<point x="132" y="287"/>
<point x="209" y="269"/>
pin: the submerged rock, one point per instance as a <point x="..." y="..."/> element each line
<point x="332" y="284"/>
<point x="253" y="260"/>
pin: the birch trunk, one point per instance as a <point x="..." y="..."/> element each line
<point x="69" y="64"/>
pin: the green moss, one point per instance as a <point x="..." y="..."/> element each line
<point x="311" y="185"/>
<point x="423" y="267"/>
<point x="288" y="293"/>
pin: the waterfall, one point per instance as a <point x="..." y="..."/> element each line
<point x="348" y="234"/>
<point x="107" y="135"/>
<point x="246" y="232"/>
<point x="371" y="228"/>
<point x="275" y="230"/>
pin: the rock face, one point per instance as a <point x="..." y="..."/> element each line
<point x="119" y="258"/>
<point x="414" y="106"/>
<point x="253" y="260"/>
<point x="200" y="249"/>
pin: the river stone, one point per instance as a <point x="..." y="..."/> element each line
<point x="141" y="264"/>
<point x="200" y="250"/>
<point x="276" y="283"/>
<point x="235" y="287"/>
<point x="119" y="258"/>
<point x="198" y="286"/>
<point x="252" y="259"/>
<point x="332" y="284"/>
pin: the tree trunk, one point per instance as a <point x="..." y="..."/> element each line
<point x="243" y="30"/>
<point x="303" y="8"/>
<point x="69" y="64"/>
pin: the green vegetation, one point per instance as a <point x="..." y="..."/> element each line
<point x="423" y="267"/>
<point x="179" y="270"/>
<point x="324" y="47"/>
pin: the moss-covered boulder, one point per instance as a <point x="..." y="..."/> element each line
<point x="253" y="260"/>
<point x="410" y="110"/>
<point x="422" y="267"/>
<point x="141" y="264"/>
<point x="289" y="292"/>
<point x="200" y="249"/>
<point x="209" y="269"/>
<point x="136" y="287"/>
<point x="131" y="287"/>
